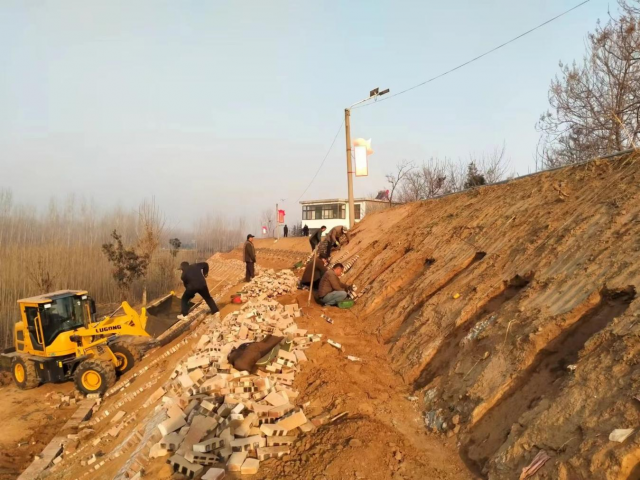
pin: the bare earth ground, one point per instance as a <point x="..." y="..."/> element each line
<point x="28" y="423"/>
<point x="511" y="312"/>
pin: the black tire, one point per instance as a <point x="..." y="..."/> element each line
<point x="24" y="369"/>
<point x="94" y="376"/>
<point x="127" y="354"/>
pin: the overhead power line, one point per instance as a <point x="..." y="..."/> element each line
<point x="440" y="76"/>
<point x="478" y="57"/>
<point x="324" y="159"/>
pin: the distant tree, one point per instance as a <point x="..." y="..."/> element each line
<point x="395" y="179"/>
<point x="425" y="182"/>
<point x="296" y="230"/>
<point x="127" y="265"/>
<point x="174" y="246"/>
<point x="595" y="105"/>
<point x="474" y="177"/>
<point x="151" y="223"/>
<point x="268" y="219"/>
<point x="492" y="165"/>
<point x="41" y="276"/>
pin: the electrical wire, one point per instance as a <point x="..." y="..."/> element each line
<point x="323" y="160"/>
<point x="378" y="100"/>
<point x="475" y="58"/>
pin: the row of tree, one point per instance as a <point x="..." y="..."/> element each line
<point x="116" y="254"/>
<point x="594" y="111"/>
<point x="411" y="182"/>
<point x="595" y="104"/>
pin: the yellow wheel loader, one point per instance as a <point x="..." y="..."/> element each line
<point x="58" y="338"/>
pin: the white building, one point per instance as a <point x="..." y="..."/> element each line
<point x="334" y="212"/>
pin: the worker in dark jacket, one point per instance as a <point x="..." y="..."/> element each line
<point x="320" y="270"/>
<point x="194" y="280"/>
<point x="250" y="258"/>
<point x="315" y="239"/>
<point x="331" y="290"/>
<point x="305" y="230"/>
<point x="324" y="248"/>
<point x="286" y="231"/>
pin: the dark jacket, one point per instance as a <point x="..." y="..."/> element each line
<point x="316" y="238"/>
<point x="193" y="276"/>
<point x="305" y="231"/>
<point x="330" y="283"/>
<point x="249" y="252"/>
<point x="324" y="248"/>
<point x="320" y="271"/>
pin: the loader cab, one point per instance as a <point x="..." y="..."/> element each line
<point x="45" y="317"/>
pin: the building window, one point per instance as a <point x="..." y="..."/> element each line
<point x="327" y="211"/>
<point x="356" y="212"/>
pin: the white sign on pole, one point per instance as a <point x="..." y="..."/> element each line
<point x="362" y="166"/>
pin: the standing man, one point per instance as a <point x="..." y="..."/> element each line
<point x="305" y="230"/>
<point x="286" y="231"/>
<point x="194" y="280"/>
<point x="250" y="258"/>
<point x="315" y="239"/>
<point x="331" y="290"/>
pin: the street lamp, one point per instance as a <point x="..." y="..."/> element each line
<point x="347" y="128"/>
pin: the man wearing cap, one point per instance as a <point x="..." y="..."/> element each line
<point x="194" y="280"/>
<point x="335" y="234"/>
<point x="250" y="258"/>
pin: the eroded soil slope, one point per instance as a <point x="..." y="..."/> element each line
<point x="513" y="311"/>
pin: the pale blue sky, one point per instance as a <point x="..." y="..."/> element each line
<point x="213" y="105"/>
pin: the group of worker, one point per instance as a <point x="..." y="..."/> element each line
<point x="194" y="278"/>
<point x="331" y="290"/>
<point x="317" y="273"/>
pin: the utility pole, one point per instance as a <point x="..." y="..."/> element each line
<point x="347" y="130"/>
<point x="276" y="221"/>
<point x="375" y="93"/>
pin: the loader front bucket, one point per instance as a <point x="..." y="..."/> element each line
<point x="162" y="314"/>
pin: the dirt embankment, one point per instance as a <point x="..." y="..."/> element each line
<point x="506" y="318"/>
<point x="513" y="312"/>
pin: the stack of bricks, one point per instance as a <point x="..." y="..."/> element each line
<point x="269" y="284"/>
<point x="211" y="418"/>
<point x="219" y="419"/>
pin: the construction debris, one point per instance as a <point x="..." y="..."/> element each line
<point x="270" y="284"/>
<point x="536" y="464"/>
<point x="218" y="418"/>
<point x="620" y="434"/>
<point x="329" y="320"/>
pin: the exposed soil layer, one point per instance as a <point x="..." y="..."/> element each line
<point x="454" y="342"/>
<point x="486" y="343"/>
<point x="543" y="380"/>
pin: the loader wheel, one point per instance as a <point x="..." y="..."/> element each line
<point x="127" y="355"/>
<point x="94" y="376"/>
<point x="24" y="373"/>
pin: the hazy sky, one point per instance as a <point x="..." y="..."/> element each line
<point x="231" y="105"/>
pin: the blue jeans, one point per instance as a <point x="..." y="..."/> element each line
<point x="333" y="298"/>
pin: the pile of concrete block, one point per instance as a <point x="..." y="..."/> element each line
<point x="219" y="419"/>
<point x="269" y="284"/>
